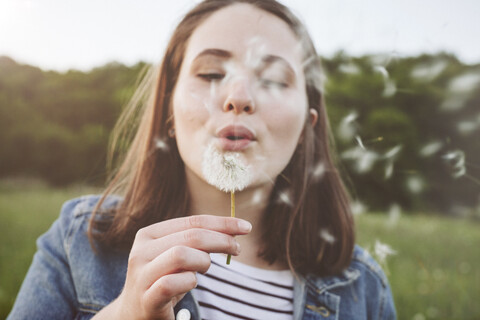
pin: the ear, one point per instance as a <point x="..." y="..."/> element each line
<point x="313" y="116"/>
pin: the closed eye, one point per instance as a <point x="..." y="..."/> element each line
<point x="271" y="83"/>
<point x="211" y="76"/>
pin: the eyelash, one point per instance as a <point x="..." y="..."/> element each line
<point x="264" y="82"/>
<point x="211" y="76"/>
<point x="268" y="83"/>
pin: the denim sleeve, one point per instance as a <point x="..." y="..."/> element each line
<point x="388" y="311"/>
<point x="47" y="291"/>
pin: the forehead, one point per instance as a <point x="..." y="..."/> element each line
<point x="245" y="30"/>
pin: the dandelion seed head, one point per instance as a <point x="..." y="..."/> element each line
<point x="326" y="236"/>
<point x="225" y="171"/>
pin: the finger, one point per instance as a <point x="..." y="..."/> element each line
<point x="201" y="239"/>
<point x="167" y="289"/>
<point x="177" y="259"/>
<point x="228" y="225"/>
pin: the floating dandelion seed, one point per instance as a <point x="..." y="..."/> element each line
<point x="284" y="197"/>
<point x="390" y="88"/>
<point x="456" y="161"/>
<point x="347" y="129"/>
<point x="161" y="144"/>
<point x="308" y="61"/>
<point x="255" y="53"/>
<point x="357" y="207"/>
<point x="364" y="159"/>
<point x="257" y="197"/>
<point x="428" y="72"/>
<point x="319" y="171"/>
<point x="419" y="316"/>
<point x="464" y="83"/>
<point x="394" y="214"/>
<point x="326" y="235"/>
<point x="459" y="91"/>
<point x="360" y="142"/>
<point x="431" y="148"/>
<point x="469" y="126"/>
<point x="389" y="170"/>
<point x="415" y="184"/>
<point x="382" y="251"/>
<point x="349" y="68"/>
<point x="393" y="153"/>
<point x="390" y="157"/>
<point x="382" y="70"/>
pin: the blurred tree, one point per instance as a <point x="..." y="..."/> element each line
<point x="406" y="129"/>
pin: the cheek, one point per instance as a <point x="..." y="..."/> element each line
<point x="285" y="118"/>
<point x="190" y="109"/>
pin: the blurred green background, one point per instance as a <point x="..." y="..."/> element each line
<point x="407" y="131"/>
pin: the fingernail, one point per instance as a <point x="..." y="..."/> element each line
<point x="244" y="226"/>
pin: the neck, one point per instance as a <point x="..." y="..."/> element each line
<point x="250" y="205"/>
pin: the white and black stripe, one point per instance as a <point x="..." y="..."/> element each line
<point x="239" y="291"/>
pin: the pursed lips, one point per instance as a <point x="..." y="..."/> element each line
<point x="235" y="138"/>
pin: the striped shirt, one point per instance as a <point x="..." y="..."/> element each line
<point x="239" y="291"/>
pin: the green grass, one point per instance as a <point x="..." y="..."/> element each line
<point x="434" y="275"/>
<point x="26" y="211"/>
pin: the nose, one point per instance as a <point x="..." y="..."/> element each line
<point x="239" y="99"/>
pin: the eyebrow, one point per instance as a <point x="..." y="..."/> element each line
<point x="270" y="59"/>
<point x="224" y="54"/>
<point x="214" y="52"/>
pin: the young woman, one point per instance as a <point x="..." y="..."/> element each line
<point x="239" y="79"/>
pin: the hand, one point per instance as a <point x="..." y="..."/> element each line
<point x="164" y="259"/>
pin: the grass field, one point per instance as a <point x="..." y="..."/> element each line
<point x="435" y="273"/>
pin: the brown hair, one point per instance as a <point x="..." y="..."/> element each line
<point x="151" y="177"/>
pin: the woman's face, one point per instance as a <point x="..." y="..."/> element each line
<point x="241" y="89"/>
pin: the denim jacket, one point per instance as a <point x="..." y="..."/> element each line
<point x="68" y="281"/>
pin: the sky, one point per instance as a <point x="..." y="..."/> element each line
<point x="82" y="34"/>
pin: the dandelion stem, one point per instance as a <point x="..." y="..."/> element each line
<point x="232" y="214"/>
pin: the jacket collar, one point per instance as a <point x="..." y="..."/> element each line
<point x="319" y="286"/>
